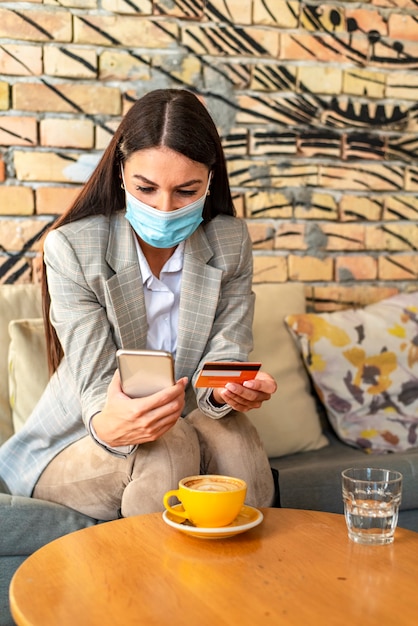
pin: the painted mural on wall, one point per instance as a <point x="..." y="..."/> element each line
<point x="316" y="104"/>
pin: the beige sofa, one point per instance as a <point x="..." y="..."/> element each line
<point x="302" y="446"/>
<point x="288" y="424"/>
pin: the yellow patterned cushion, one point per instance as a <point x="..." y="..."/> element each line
<point x="364" y="365"/>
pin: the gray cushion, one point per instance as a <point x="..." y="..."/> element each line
<point x="312" y="480"/>
<point x="8" y="566"/>
<point x="28" y="523"/>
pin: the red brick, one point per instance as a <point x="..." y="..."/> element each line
<point x="321" y="144"/>
<point x="4" y="96"/>
<point x="18" y="131"/>
<point x="263" y="204"/>
<point x="315" y="206"/>
<point x="367" y="20"/>
<point x="355" y="207"/>
<point x="105" y="133"/>
<point x="398" y="267"/>
<point x="294" y="174"/>
<point x="67" y="98"/>
<point x="67" y="133"/>
<point x="55" y="200"/>
<point x="144" y="7"/>
<point x="336" y="297"/>
<point x="327" y="19"/>
<point x="276" y="13"/>
<point x="127" y="31"/>
<point x="269" y="269"/>
<point x="20" y="60"/>
<point x="362" y="177"/>
<point x="392" y="236"/>
<point x="411" y="181"/>
<point x="321" y="79"/>
<point x="117" y="65"/>
<point x="349" y="268"/>
<point x="33" y="25"/>
<point x="221" y="40"/>
<point x="16" y="200"/>
<point x="348" y="236"/>
<point x="402" y="26"/>
<point x="193" y="10"/>
<point x="290" y="237"/>
<point x="43" y="166"/>
<point x="309" y="268"/>
<point x="302" y="46"/>
<point x="262" y="235"/>
<point x="70" y="62"/>
<point x="402" y="207"/>
<point x="15" y="234"/>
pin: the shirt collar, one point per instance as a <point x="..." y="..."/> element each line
<point x="174" y="263"/>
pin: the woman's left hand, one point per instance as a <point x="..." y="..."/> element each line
<point x="250" y="395"/>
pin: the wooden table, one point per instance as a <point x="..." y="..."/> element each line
<point x="297" y="567"/>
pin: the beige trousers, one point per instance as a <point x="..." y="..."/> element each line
<point x="95" y="482"/>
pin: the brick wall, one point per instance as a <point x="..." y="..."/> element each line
<point x="316" y="104"/>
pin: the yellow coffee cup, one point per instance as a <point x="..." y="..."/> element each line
<point x="209" y="501"/>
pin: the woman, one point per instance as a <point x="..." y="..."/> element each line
<point x="150" y="255"/>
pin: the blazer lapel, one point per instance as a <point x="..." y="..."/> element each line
<point x="125" y="288"/>
<point x="198" y="300"/>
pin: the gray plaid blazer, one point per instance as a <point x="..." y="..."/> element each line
<point x="98" y="306"/>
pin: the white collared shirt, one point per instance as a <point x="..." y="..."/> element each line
<point x="162" y="300"/>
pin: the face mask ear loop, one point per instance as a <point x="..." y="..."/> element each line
<point x="207" y="193"/>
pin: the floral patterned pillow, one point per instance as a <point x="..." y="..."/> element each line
<point x="364" y="365"/>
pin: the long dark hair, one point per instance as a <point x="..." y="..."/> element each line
<point x="174" y="118"/>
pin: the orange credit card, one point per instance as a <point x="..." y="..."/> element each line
<point x="217" y="373"/>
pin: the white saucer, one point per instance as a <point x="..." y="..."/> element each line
<point x="247" y="518"/>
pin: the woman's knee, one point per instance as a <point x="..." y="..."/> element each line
<point x="232" y="446"/>
<point x="158" y="467"/>
<point x="233" y="429"/>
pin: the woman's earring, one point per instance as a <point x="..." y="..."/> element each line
<point x="122" y="186"/>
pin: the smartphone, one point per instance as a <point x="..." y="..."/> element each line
<point x="144" y="372"/>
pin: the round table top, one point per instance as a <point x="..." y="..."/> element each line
<point x="296" y="567"/>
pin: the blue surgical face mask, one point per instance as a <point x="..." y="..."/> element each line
<point x="164" y="229"/>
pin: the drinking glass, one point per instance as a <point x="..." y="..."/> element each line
<point x="371" y="504"/>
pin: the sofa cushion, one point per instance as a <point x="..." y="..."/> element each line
<point x="27" y="524"/>
<point x="312" y="480"/>
<point x="16" y="302"/>
<point x="28" y="367"/>
<point x="364" y="364"/>
<point x="9" y="565"/>
<point x="289" y="421"/>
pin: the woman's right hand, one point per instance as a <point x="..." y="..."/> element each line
<point x="131" y="421"/>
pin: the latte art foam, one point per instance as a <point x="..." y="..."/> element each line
<point x="210" y="484"/>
